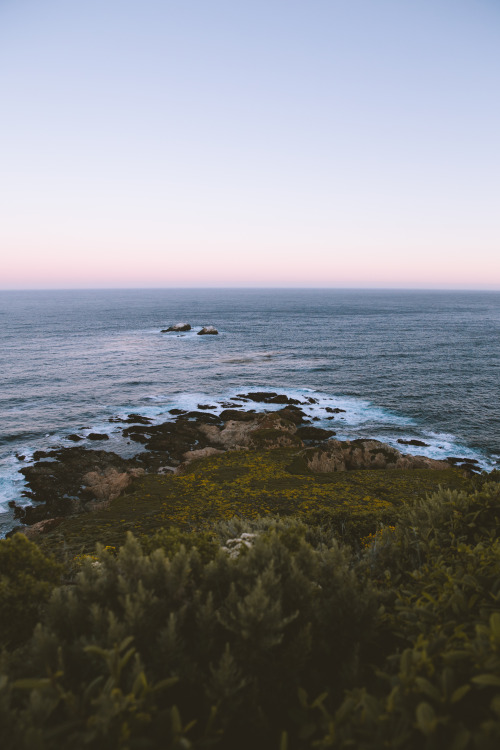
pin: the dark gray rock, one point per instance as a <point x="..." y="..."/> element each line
<point x="177" y="328"/>
<point x="314" y="433"/>
<point x="419" y="443"/>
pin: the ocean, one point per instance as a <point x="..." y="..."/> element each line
<point x="406" y="365"/>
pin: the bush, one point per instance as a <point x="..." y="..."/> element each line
<point x="27" y="577"/>
<point x="272" y="634"/>
<point x="165" y="651"/>
<point x="440" y="684"/>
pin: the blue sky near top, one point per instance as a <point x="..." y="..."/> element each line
<point x="208" y="143"/>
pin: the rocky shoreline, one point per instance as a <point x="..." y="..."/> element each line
<point x="73" y="480"/>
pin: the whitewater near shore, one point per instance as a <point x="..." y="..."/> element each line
<point x="404" y="366"/>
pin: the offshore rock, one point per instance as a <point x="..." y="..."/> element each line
<point x="177" y="328"/>
<point x="336" y="455"/>
<point x="208" y="331"/>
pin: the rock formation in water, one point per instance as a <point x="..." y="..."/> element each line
<point x="177" y="328"/>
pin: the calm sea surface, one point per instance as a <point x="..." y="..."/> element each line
<point x="403" y="364"/>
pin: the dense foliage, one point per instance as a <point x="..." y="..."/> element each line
<point x="268" y="633"/>
<point x="27" y="577"/>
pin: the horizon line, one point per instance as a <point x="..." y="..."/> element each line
<point x="257" y="288"/>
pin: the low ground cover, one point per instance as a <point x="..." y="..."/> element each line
<point x="248" y="485"/>
<point x="261" y="631"/>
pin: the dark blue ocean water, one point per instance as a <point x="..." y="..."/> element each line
<point x="410" y="364"/>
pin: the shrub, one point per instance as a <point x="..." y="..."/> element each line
<point x="27" y="576"/>
<point x="170" y="651"/>
<point x="439" y="684"/>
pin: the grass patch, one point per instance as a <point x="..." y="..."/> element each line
<point x="248" y="485"/>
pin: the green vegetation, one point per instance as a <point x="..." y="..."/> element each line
<point x="250" y="485"/>
<point x="219" y="630"/>
<point x="27" y="577"/>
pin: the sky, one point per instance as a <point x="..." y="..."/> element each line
<point x="239" y="143"/>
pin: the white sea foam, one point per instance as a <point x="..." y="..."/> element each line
<point x="361" y="418"/>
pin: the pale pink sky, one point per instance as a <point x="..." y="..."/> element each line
<point x="250" y="144"/>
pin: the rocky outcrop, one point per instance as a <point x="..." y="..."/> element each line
<point x="263" y="430"/>
<point x="72" y="480"/>
<point x="336" y="455"/>
<point x="177" y="328"/>
<point x="417" y="443"/>
<point x="57" y="481"/>
<point x="314" y="433"/>
<point x="97" y="436"/>
<point x="195" y="455"/>
<point x="208" y="331"/>
<point x="131" y="419"/>
<point x="469" y="465"/>
<point x="42" y="527"/>
<point x="268" y="397"/>
<point x="107" y="485"/>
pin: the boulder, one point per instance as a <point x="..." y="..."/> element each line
<point x="269" y="430"/>
<point x="314" y="433"/>
<point x="97" y="436"/>
<point x="42" y="527"/>
<point x="293" y="414"/>
<point x="194" y="455"/>
<point x="268" y="397"/>
<point x="208" y="331"/>
<point x="177" y="328"/>
<point x="337" y="455"/>
<point x="418" y="443"/>
<point x="108" y="484"/>
<point x="131" y="419"/>
<point x="58" y="486"/>
<point x="238" y="416"/>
